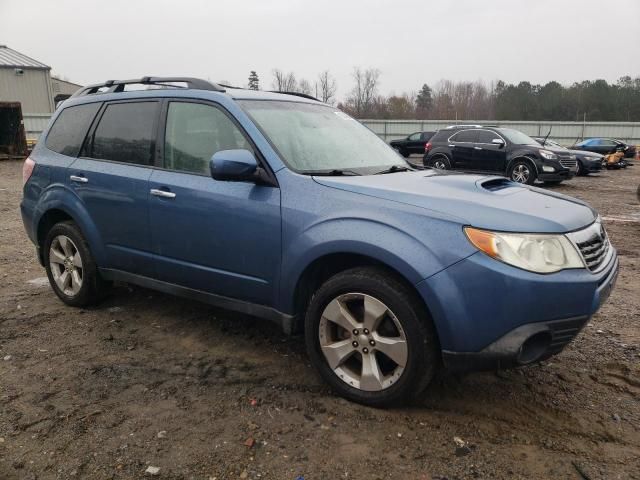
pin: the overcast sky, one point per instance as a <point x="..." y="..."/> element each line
<point x="410" y="41"/>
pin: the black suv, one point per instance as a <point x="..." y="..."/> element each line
<point x="498" y="150"/>
<point x="414" y="143"/>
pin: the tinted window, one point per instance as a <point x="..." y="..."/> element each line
<point x="68" y="131"/>
<point x="194" y="133"/>
<point x="606" y="143"/>
<point x="487" y="136"/>
<point x="465" y="136"/>
<point x="427" y="135"/>
<point x="126" y="133"/>
<point x="414" y="136"/>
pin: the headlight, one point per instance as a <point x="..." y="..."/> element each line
<point x="540" y="253"/>
<point x="548" y="155"/>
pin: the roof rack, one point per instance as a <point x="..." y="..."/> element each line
<point x="297" y="94"/>
<point x="114" y="86"/>
<point x="462" y="125"/>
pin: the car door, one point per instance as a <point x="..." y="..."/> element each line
<point x="220" y="237"/>
<point x="414" y="143"/>
<point x="462" y="149"/>
<point x="605" y="146"/>
<point x="489" y="156"/>
<point x="111" y="178"/>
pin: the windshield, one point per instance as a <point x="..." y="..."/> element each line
<point x="517" y="137"/>
<point x="318" y="138"/>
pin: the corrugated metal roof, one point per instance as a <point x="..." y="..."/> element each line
<point x="11" y="58"/>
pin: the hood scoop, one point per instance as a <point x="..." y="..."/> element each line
<point x="499" y="184"/>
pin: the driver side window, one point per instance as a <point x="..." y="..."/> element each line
<point x="194" y="132"/>
<point x="414" y="136"/>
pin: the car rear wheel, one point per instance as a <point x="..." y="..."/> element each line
<point x="522" y="171"/>
<point x="441" y="163"/>
<point x="370" y="338"/>
<point x="71" y="269"/>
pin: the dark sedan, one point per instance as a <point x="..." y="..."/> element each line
<point x="588" y="162"/>
<point x="414" y="143"/>
<point x="605" y="146"/>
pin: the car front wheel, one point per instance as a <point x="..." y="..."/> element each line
<point x="522" y="171"/>
<point x="370" y="338"/>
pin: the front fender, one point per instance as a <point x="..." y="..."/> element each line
<point x="61" y="197"/>
<point x="409" y="256"/>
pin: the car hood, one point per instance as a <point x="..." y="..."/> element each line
<point x="488" y="202"/>
<point x="586" y="153"/>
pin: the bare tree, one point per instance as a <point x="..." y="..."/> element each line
<point x="328" y="87"/>
<point x="363" y="94"/>
<point x="304" y="87"/>
<point x="284" y="82"/>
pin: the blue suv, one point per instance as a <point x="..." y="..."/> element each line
<point x="282" y="207"/>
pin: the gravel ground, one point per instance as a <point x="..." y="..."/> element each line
<point x="148" y="380"/>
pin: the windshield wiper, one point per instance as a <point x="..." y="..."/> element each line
<point x="336" y="172"/>
<point x="394" y="169"/>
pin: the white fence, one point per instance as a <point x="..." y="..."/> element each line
<point x="565" y="133"/>
<point x="34" y="124"/>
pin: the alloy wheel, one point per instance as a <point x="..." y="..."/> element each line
<point x="520" y="173"/>
<point x="363" y="342"/>
<point x="440" y="165"/>
<point x="65" y="263"/>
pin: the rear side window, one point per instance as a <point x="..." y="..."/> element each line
<point x="467" y="136"/>
<point x="194" y="133"/>
<point x="126" y="133"/>
<point x="68" y="132"/>
<point x="487" y="136"/>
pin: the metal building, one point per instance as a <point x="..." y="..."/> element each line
<point x="63" y="89"/>
<point x="25" y="80"/>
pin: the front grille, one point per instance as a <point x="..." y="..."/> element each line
<point x="595" y="247"/>
<point x="568" y="162"/>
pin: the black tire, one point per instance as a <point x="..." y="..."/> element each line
<point x="440" y="162"/>
<point x="581" y="170"/>
<point x="517" y="169"/>
<point x="422" y="347"/>
<point x="93" y="287"/>
<point x="404" y="153"/>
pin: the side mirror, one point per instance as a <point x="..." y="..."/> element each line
<point x="234" y="166"/>
<point x="498" y="141"/>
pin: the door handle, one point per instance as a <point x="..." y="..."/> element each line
<point x="76" y="178"/>
<point x="477" y="148"/>
<point x="162" y="193"/>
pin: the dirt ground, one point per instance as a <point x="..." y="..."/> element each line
<point x="146" y="380"/>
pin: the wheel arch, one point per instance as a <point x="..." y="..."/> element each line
<point x="59" y="204"/>
<point x="526" y="158"/>
<point x="324" y="267"/>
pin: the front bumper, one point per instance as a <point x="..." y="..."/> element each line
<point x="593" y="164"/>
<point x="556" y="176"/>
<point x="490" y="315"/>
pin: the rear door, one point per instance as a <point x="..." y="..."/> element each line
<point x="215" y="236"/>
<point x="489" y="156"/>
<point x="414" y="143"/>
<point x="111" y="179"/>
<point x="462" y="149"/>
